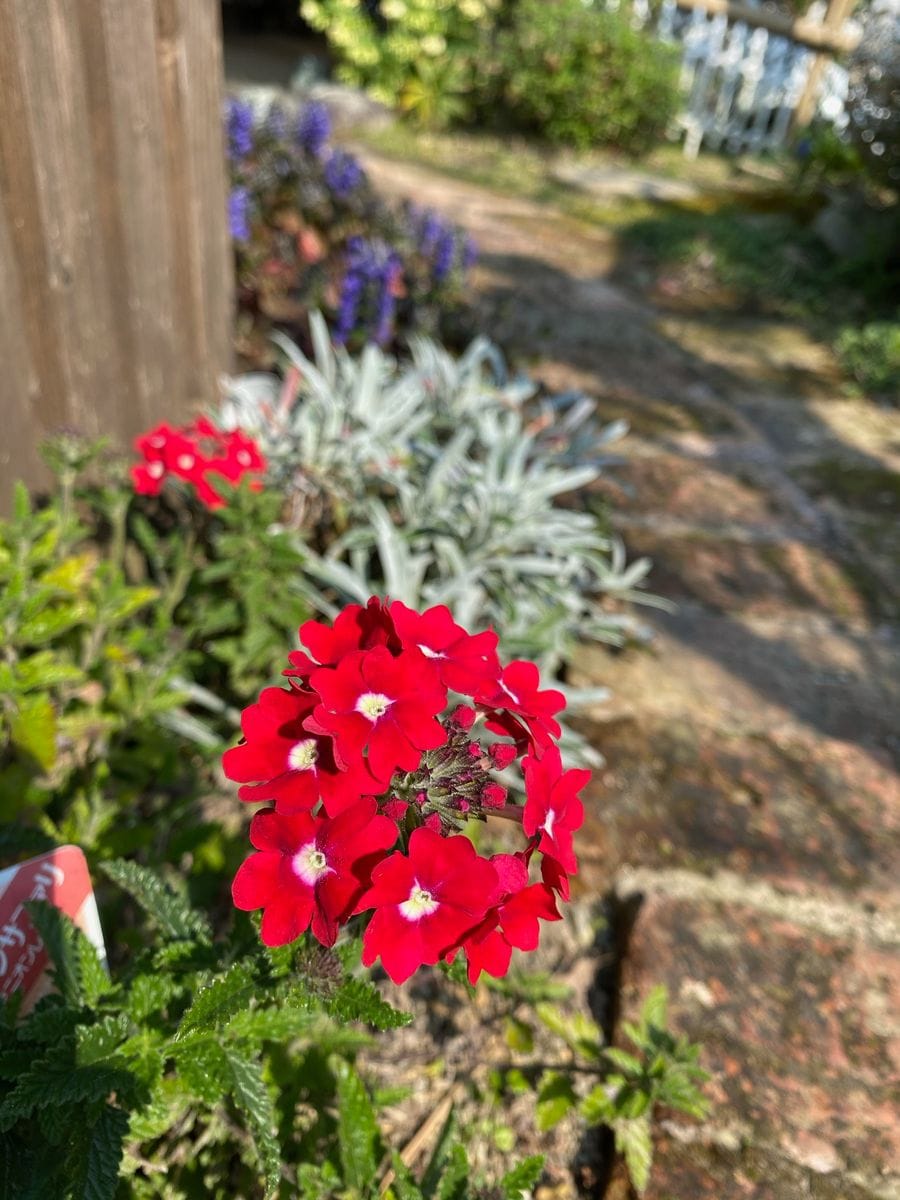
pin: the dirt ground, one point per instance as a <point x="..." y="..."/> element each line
<point x="742" y="843"/>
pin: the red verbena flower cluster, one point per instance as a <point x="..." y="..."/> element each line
<point x="371" y="758"/>
<point x="194" y="453"/>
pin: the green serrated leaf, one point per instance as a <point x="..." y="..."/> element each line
<point x="404" y="1186"/>
<point x="172" y="914"/>
<point x="623" y="1060"/>
<point x="202" y="1069"/>
<point x="149" y="994"/>
<point x="107" y="1136"/>
<point x="60" y="938"/>
<point x="359" y="1000"/>
<point x="555" y="1098"/>
<point x="255" y="1103"/>
<point x="654" y="1013"/>
<point x="32" y="728"/>
<point x="523" y="1177"/>
<point x="453" y="1184"/>
<point x="358" y="1137"/>
<point x="597" y="1107"/>
<point x="94" y="1043"/>
<point x="218" y="1000"/>
<point x="54" y="1082"/>
<point x="635" y="1143"/>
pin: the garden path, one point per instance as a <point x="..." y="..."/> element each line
<point x="748" y="819"/>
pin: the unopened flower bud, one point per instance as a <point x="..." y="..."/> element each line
<point x="502" y="754"/>
<point x="493" y="796"/>
<point x="463" y="716"/>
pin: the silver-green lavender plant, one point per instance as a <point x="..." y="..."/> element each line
<point x="438" y="480"/>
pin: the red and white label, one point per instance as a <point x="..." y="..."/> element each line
<point x="60" y="877"/>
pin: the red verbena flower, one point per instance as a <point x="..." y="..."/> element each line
<point x="425" y="902"/>
<point x="369" y="749"/>
<point x="194" y="453"/>
<point x="294" y="767"/>
<point x="383" y="704"/>
<point x="552" y="807"/>
<point x="512" y="922"/>
<point x="517" y="693"/>
<point x="354" y="628"/>
<point x="310" y="871"/>
<point x="465" y="662"/>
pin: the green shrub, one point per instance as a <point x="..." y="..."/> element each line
<point x="579" y="75"/>
<point x="871" y="354"/>
<point x="418" y="55"/>
<point x="204" y="1068"/>
<point x="133" y="630"/>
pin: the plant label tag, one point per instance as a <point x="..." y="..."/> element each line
<point x="61" y="878"/>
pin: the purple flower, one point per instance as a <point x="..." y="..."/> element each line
<point x="239" y="214"/>
<point x="470" y="253"/>
<point x="368" y="301"/>
<point x="313" y="127"/>
<point x="444" y="256"/>
<point x="239" y="128"/>
<point x="387" y="299"/>
<point x="431" y="231"/>
<point x="342" y="174"/>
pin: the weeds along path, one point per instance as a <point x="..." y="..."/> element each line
<point x="748" y="820"/>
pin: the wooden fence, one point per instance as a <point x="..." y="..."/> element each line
<point x="116" y="279"/>
<point x="751" y="76"/>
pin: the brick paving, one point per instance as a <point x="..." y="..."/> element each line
<point x="749" y="812"/>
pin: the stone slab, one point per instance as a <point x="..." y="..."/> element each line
<point x="758" y="675"/>
<point x="800" y="1035"/>
<point x="802" y="813"/>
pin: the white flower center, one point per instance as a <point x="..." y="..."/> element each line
<point x="155" y="470"/>
<point x="373" y="705"/>
<point x="158" y="441"/>
<point x="420" y="904"/>
<point x="185" y="461"/>
<point x="548" y="824"/>
<point x="311" y="864"/>
<point x="429" y="653"/>
<point x="303" y="755"/>
<point x="243" y="458"/>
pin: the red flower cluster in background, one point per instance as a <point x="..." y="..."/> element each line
<point x="194" y="453"/>
<point x="371" y="760"/>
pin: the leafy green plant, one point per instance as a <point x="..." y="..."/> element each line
<point x="579" y="74"/>
<point x="420" y="56"/>
<point x="133" y="629"/>
<point x="871" y="355"/>
<point x="658" y="1070"/>
<point x="200" y="1069"/>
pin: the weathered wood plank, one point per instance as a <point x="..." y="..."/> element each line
<point x="116" y="284"/>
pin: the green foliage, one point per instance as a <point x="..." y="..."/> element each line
<point x="579" y="74"/>
<point x="871" y="355"/>
<point x="658" y="1070"/>
<point x="186" y="1083"/>
<point x="133" y="631"/>
<point x="421" y="57"/>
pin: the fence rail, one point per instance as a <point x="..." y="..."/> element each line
<point x="115" y="271"/>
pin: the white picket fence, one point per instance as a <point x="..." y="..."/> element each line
<point x="741" y="84"/>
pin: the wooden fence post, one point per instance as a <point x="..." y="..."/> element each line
<point x="116" y="279"/>
<point x="837" y="13"/>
